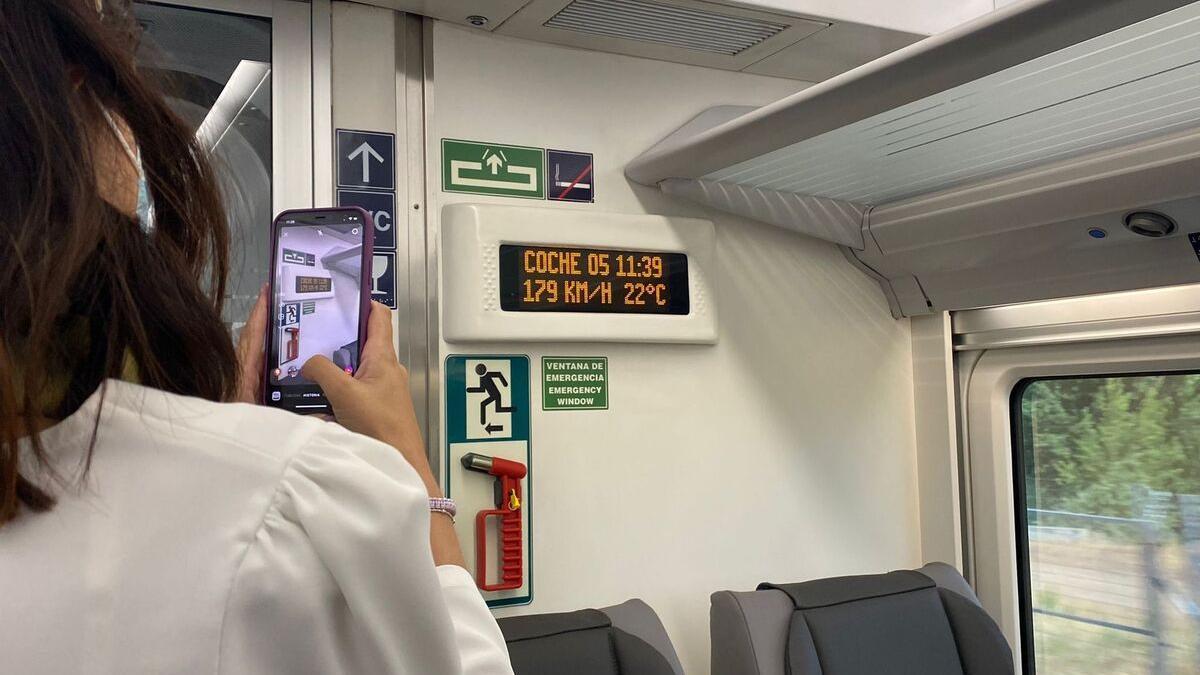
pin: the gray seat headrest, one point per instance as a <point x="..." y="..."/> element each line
<point x="925" y="622"/>
<point x="626" y="639"/>
<point x="841" y="590"/>
<point x="639" y="630"/>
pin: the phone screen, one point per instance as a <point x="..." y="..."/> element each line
<point x="317" y="303"/>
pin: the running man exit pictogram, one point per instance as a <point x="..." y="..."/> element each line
<point x="495" y="396"/>
<point x="489" y="404"/>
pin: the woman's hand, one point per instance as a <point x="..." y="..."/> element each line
<point x="375" y="401"/>
<point x="252" y="343"/>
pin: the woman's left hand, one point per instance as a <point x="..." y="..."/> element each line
<point x="252" y="343"/>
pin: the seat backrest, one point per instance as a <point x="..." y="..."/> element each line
<point x="626" y="639"/>
<point x="925" y="622"/>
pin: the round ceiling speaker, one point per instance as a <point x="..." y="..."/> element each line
<point x="1149" y="224"/>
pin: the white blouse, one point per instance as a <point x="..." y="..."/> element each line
<point x="232" y="538"/>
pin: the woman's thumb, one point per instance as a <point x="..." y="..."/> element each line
<point x="326" y="374"/>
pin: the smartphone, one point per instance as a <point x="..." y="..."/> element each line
<point x="320" y="300"/>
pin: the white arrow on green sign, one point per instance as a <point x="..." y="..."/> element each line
<point x="493" y="169"/>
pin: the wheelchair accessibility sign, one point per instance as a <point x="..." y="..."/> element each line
<point x="488" y="471"/>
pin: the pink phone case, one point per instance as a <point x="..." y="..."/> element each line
<point x="364" y="292"/>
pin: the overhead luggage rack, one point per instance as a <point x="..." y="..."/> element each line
<point x="1037" y="84"/>
<point x="1029" y="84"/>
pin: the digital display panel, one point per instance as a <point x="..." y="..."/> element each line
<point x="313" y="284"/>
<point x="540" y="278"/>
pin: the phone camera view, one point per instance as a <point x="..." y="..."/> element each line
<point x="318" y="282"/>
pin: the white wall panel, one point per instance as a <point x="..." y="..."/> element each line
<point x="937" y="439"/>
<point x="784" y="452"/>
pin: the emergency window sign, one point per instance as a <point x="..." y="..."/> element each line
<point x="569" y="176"/>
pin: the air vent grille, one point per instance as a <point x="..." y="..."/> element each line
<point x="664" y="24"/>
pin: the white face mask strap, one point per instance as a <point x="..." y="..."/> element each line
<point x="133" y="155"/>
<point x="145" y="201"/>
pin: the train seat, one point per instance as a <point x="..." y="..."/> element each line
<point x="923" y="622"/>
<point x="625" y="639"/>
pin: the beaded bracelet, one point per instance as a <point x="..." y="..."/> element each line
<point x="443" y="506"/>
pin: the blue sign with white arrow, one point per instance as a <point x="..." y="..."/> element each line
<point x="366" y="159"/>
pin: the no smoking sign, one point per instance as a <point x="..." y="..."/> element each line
<point x="569" y="176"/>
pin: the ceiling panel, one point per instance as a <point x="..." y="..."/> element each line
<point x="457" y="11"/>
<point x="666" y="24"/>
<point x="907" y="16"/>
<point x="754" y="36"/>
<point x="684" y="31"/>
<point x="842" y="46"/>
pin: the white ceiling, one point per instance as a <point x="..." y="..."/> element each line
<point x="859" y="30"/>
<point x="457" y="11"/>
<point x="911" y="16"/>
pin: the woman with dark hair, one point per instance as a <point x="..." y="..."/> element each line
<point x="149" y="522"/>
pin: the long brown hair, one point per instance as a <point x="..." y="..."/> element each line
<point x="85" y="292"/>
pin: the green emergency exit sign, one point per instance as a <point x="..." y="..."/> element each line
<point x="493" y="169"/>
<point x="574" y="383"/>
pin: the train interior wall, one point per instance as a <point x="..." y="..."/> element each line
<point x="783" y="452"/>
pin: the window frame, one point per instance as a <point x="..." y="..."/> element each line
<point x="1021" y="516"/>
<point x="1021" y="501"/>
<point x="292" y="82"/>
<point x="989" y="379"/>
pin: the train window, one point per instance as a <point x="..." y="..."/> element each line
<point x="217" y="68"/>
<point x="1108" y="513"/>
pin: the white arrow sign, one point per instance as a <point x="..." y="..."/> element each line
<point x="367" y="152"/>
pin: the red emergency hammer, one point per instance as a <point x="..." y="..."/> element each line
<point x="508" y="509"/>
